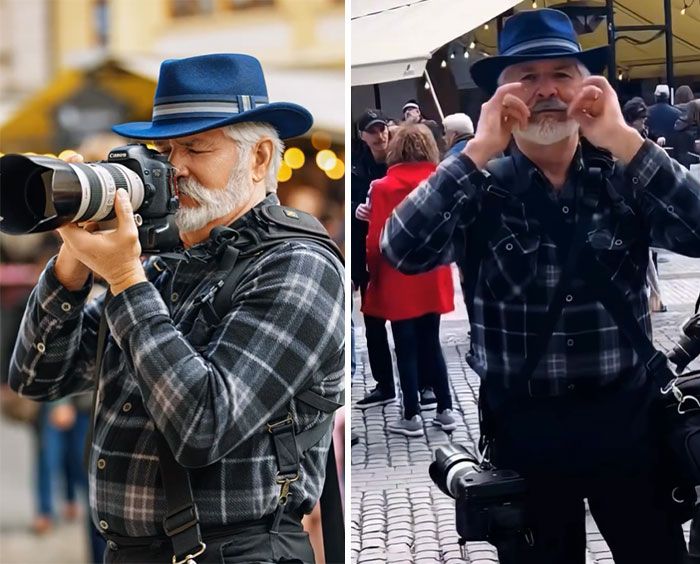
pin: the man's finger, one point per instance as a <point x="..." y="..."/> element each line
<point x="124" y="213"/>
<point x="589" y="100"/>
<point x="515" y="110"/>
<point x="599" y="82"/>
<point x="510" y="88"/>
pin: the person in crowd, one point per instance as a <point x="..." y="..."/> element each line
<point x="684" y="94"/>
<point x="368" y="164"/>
<point x="662" y="115"/>
<point x="413" y="304"/>
<point x="636" y="115"/>
<point x="212" y="390"/>
<point x="459" y="129"/>
<point x="412" y="113"/>
<point x="580" y="419"/>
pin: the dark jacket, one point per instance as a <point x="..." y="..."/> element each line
<point x="662" y="119"/>
<point x="364" y="171"/>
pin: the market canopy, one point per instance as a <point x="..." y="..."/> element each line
<point x="394" y="39"/>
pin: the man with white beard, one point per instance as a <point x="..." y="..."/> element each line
<point x="544" y="239"/>
<point x="240" y="395"/>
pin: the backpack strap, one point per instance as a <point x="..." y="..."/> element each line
<point x="501" y="176"/>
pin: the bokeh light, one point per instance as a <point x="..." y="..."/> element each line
<point x="284" y="173"/>
<point x="337" y="172"/>
<point x="320" y="140"/>
<point x="294" y="157"/>
<point x="326" y="159"/>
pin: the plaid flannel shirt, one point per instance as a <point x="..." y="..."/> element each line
<point x="210" y="395"/>
<point x="659" y="205"/>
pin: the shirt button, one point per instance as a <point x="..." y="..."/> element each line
<point x="65" y="306"/>
<point x="509" y="247"/>
<point x="669" y="209"/>
<point x="447" y="215"/>
<point x="569" y="298"/>
<point x="40" y="347"/>
<point x="618" y="242"/>
<point x="635" y="180"/>
<point x="126" y="408"/>
<point x="104" y="525"/>
<point x="565" y="209"/>
<point x="570" y="342"/>
<point x="101" y="463"/>
<point x="112" y="545"/>
<point x="174" y="297"/>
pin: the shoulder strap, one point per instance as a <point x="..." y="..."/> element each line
<point x="501" y="178"/>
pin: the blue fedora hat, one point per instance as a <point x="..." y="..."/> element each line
<point x="209" y="91"/>
<point x="531" y="35"/>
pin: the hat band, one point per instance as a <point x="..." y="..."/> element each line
<point x="563" y="44"/>
<point x="208" y="108"/>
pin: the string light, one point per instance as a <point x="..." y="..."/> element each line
<point x="486" y="26"/>
<point x="534" y="4"/>
<point x="452" y="55"/>
<point x="686" y="5"/>
<point x="426" y="85"/>
<point x="472" y="44"/>
<point x="443" y="64"/>
<point x="466" y="54"/>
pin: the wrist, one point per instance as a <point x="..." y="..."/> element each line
<point x="477" y="153"/>
<point x="70" y="272"/>
<point x="130" y="278"/>
<point x="628" y="145"/>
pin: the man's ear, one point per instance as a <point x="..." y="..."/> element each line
<point x="262" y="157"/>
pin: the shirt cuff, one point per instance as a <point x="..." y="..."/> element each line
<point x="645" y="164"/>
<point x="57" y="300"/>
<point x="132" y="307"/>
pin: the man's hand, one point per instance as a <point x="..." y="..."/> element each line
<point x="113" y="255"/>
<point x="499" y="116"/>
<point x="597" y="110"/>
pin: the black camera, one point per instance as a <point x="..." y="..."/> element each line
<point x="688" y="347"/>
<point x="39" y="194"/>
<point x="488" y="502"/>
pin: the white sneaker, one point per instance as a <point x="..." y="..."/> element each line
<point x="445" y="420"/>
<point x="412" y="427"/>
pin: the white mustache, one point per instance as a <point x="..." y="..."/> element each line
<point x="550" y="104"/>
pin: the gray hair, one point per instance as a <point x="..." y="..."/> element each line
<point x="247" y="134"/>
<point x="460" y="124"/>
<point x="582" y="69"/>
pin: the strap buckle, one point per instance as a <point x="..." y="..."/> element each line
<point x="656" y="362"/>
<point x="274" y="427"/>
<point x="188" y="512"/>
<point x="496" y="191"/>
<point x="189" y="559"/>
<point x="285" y="481"/>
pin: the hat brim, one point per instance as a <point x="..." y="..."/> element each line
<point x="290" y="120"/>
<point x="485" y="72"/>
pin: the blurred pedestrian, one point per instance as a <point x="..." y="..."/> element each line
<point x="413" y="304"/>
<point x="636" y="113"/>
<point x="459" y="129"/>
<point x="368" y="164"/>
<point x="662" y="115"/>
<point x="412" y="113"/>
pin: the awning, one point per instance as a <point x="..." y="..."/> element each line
<point x="394" y="39"/>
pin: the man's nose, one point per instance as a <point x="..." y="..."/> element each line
<point x="181" y="170"/>
<point x="546" y="88"/>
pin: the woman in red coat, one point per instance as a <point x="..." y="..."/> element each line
<point x="413" y="303"/>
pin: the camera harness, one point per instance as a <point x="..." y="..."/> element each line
<point x="236" y="251"/>
<point x="578" y="262"/>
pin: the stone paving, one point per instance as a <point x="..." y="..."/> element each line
<point x="397" y="514"/>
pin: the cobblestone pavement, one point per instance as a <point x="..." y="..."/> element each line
<point x="398" y="515"/>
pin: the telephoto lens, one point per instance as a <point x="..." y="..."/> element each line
<point x="40" y="193"/>
<point x="451" y="463"/>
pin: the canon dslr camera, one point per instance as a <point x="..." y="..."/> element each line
<point x="488" y="502"/>
<point x="39" y="194"/>
<point x="688" y="347"/>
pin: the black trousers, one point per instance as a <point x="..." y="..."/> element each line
<point x="603" y="447"/>
<point x="418" y="351"/>
<point x="255" y="543"/>
<point x="378" y="351"/>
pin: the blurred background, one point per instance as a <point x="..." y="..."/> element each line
<point x="69" y="69"/>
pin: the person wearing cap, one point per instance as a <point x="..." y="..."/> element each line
<point x="369" y="164"/>
<point x="662" y="115"/>
<point x="412" y="113"/>
<point x="459" y="129"/>
<point x="567" y="402"/>
<point x="207" y="388"/>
